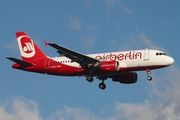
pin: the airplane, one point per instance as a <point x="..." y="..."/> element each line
<point x="118" y="66"/>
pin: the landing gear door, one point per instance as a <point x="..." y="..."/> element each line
<point x="146" y="54"/>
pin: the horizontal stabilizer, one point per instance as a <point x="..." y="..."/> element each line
<point x="20" y="62"/>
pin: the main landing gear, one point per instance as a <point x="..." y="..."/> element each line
<point x="89" y="78"/>
<point x="148" y="73"/>
<point x="102" y="86"/>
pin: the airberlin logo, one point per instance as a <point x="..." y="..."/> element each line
<point x="122" y="56"/>
<point x="26" y="46"/>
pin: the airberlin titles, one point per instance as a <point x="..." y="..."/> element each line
<point x="120" y="56"/>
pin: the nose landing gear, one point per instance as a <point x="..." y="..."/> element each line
<point x="148" y="73"/>
<point x="149" y="78"/>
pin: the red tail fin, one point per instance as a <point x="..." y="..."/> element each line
<point x="28" y="49"/>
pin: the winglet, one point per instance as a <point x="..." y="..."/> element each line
<point x="46" y="43"/>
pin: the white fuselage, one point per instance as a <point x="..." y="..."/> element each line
<point x="128" y="59"/>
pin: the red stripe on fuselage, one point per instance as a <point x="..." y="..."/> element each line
<point x="56" y="68"/>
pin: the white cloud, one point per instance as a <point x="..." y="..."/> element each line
<point x="73" y="114"/>
<point x="19" y="109"/>
<point x="146" y="42"/>
<point x="147" y="110"/>
<point x="12" y="46"/>
<point x="90" y="38"/>
<point x="149" y="43"/>
<point x="166" y="23"/>
<point x="138" y="41"/>
<point x="89" y="43"/>
<point x="125" y="8"/>
<point x="114" y="3"/>
<point x="74" y="23"/>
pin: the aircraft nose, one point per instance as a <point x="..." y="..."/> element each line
<point x="170" y="60"/>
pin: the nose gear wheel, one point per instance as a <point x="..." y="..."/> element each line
<point x="149" y="78"/>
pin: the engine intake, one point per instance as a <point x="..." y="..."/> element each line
<point x="126" y="78"/>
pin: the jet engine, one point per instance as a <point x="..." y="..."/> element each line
<point x="126" y="78"/>
<point x="109" y="66"/>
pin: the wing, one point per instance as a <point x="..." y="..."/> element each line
<point x="83" y="60"/>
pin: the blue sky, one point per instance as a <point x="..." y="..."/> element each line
<point x="90" y="26"/>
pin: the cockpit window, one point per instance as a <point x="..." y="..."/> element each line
<point x="160" y="54"/>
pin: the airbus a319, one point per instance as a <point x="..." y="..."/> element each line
<point x="119" y="66"/>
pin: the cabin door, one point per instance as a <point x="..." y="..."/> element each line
<point x="146" y="55"/>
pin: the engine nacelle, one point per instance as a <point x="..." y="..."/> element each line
<point x="126" y="78"/>
<point x="109" y="66"/>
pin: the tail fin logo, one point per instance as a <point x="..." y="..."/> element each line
<point x="26" y="46"/>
